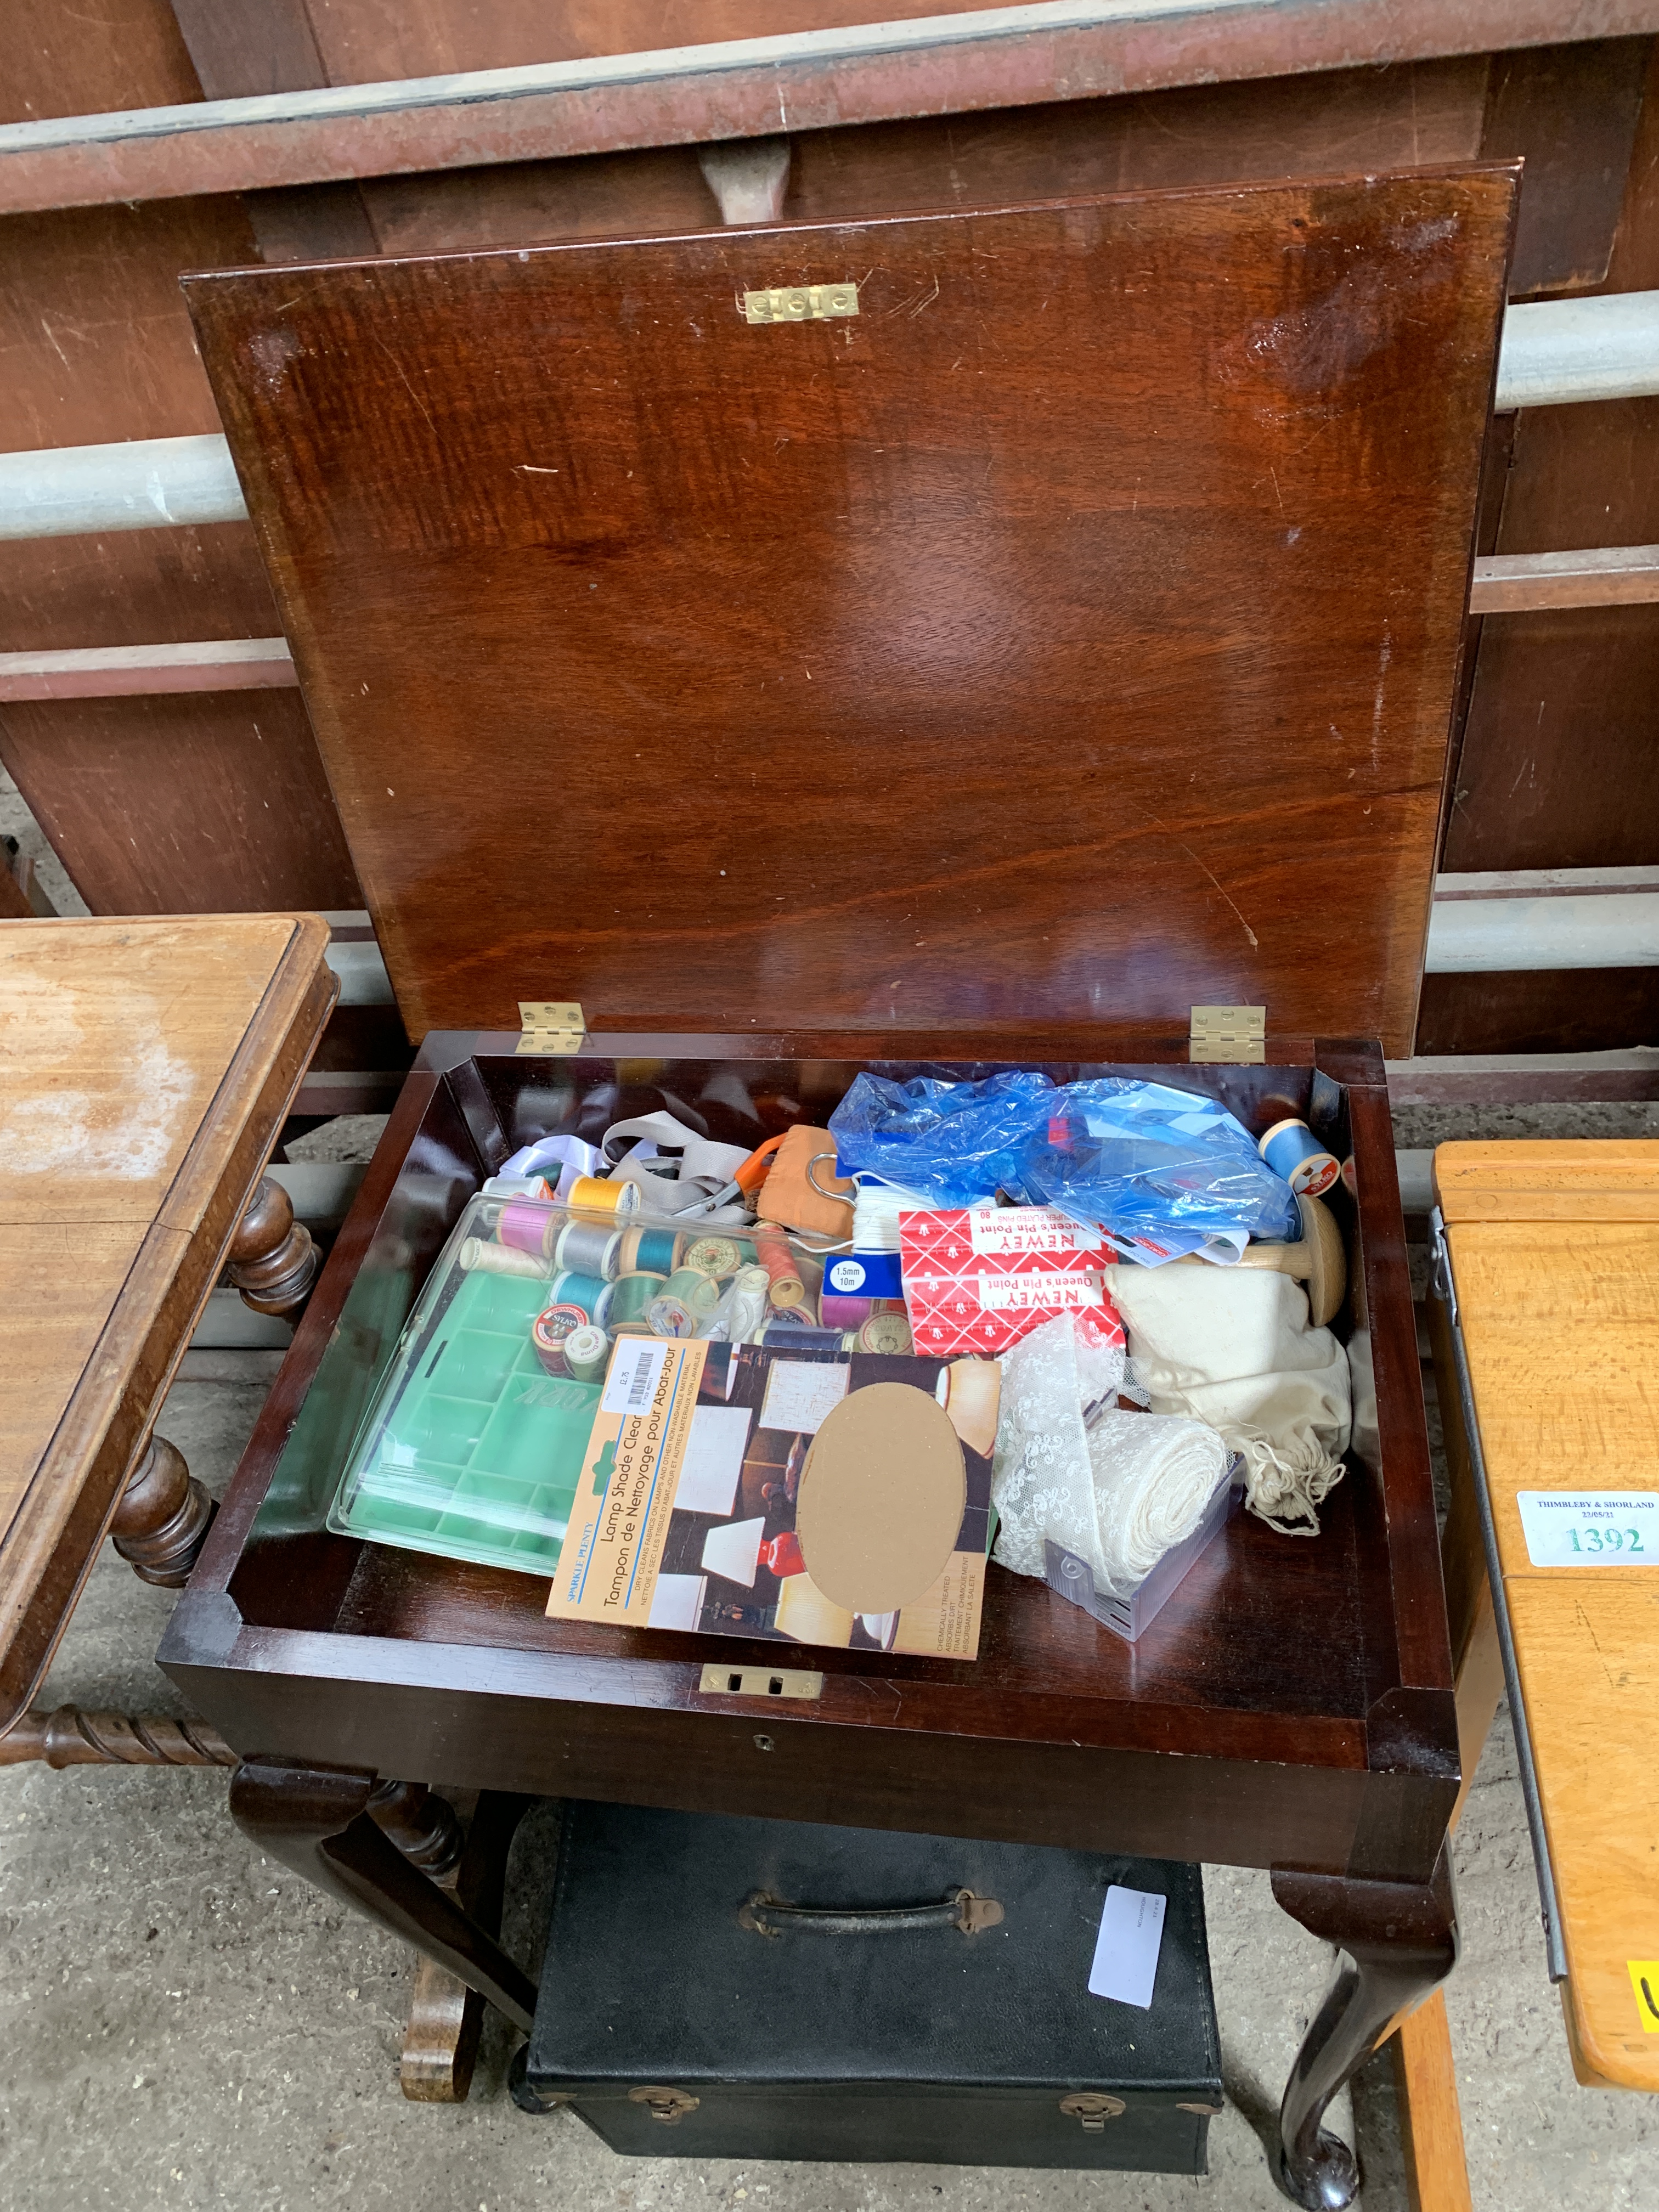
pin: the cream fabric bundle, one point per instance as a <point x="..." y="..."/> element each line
<point x="1232" y="1347"/>
<point x="1118" y="1489"/>
<point x="1154" y="1475"/>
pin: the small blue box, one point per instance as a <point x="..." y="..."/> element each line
<point x="864" y="1275"/>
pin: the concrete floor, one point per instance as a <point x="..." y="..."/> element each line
<point x="185" y="2022"/>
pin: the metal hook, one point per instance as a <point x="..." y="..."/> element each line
<point x="836" y="1197"/>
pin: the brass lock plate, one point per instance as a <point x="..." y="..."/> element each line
<point x="760" y="1683"/>
<point x="800" y="303"/>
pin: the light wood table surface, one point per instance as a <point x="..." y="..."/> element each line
<point x="146" y="1067"/>
<point x="1553" y="1249"/>
<point x="1555" y="1261"/>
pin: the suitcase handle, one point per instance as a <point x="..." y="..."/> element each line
<point x="962" y="1909"/>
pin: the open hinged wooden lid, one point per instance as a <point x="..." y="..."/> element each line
<point x="1067" y="634"/>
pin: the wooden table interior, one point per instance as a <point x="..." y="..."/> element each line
<point x="1271" y="1649"/>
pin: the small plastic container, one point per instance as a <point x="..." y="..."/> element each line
<point x="1131" y="1615"/>
<point x="471" y="1448"/>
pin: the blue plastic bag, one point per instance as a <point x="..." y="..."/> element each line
<point x="953" y="1142"/>
<point x="1143" y="1158"/>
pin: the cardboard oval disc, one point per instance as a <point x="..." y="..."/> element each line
<point x="881" y="1498"/>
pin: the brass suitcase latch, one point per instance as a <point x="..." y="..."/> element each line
<point x="1229" y="1033"/>
<point x="552" y="1026"/>
<point x="1094" y="2108"/>
<point x="668" y="2105"/>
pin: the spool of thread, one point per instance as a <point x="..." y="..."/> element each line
<point x="631" y="1328"/>
<point x="785" y="1288"/>
<point x="549" y="1333"/>
<point x="713" y="1256"/>
<point x="836" y="1312"/>
<point x="499" y="1260"/>
<point x="685" y="1299"/>
<point x="886" y="1333"/>
<point x="804" y="1340"/>
<point x="672" y="1317"/>
<point x="587" y="1250"/>
<point x="631" y="1296"/>
<point x="603" y="1195"/>
<point x="749" y="1309"/>
<point x="701" y="1292"/>
<point x="650" y="1251"/>
<point x="588" y="1291"/>
<point x="1291" y="1150"/>
<point x="529" y="1228"/>
<point x="586" y="1353"/>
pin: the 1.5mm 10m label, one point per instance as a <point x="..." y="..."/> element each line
<point x="1590" y="1529"/>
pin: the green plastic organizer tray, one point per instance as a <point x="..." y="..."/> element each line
<point x="471" y="1449"/>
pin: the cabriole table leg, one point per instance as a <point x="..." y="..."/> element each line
<point x="321" y="1822"/>
<point x="445" y="2017"/>
<point x="1400" y="1939"/>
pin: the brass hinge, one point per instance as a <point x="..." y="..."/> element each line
<point x="668" y="2105"/>
<point x="550" y="1025"/>
<point x="1229" y="1033"/>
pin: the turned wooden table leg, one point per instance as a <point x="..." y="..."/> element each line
<point x="319" y="1821"/>
<point x="423" y="1827"/>
<point x="1400" y="1939"/>
<point x="162" y="1520"/>
<point x="273" y="1260"/>
<point x="445" y="2017"/>
<point x="68" y="1737"/>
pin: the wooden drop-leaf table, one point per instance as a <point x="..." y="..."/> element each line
<point x="146" y="1067"/>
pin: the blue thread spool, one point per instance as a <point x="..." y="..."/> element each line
<point x="656" y="1252"/>
<point x="1292" y="1151"/>
<point x="588" y="1291"/>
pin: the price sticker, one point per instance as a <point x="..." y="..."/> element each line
<point x="1593" y="1528"/>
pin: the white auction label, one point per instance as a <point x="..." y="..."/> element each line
<point x="635" y="1365"/>
<point x="1590" y="1529"/>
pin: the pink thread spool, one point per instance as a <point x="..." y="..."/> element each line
<point x="527" y="1226"/>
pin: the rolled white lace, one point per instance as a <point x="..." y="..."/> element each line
<point x="1154" y="1475"/>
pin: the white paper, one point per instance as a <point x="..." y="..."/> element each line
<point x="732" y="1550"/>
<point x="1126" y="1950"/>
<point x="677" y="1601"/>
<point x="713" y="1460"/>
<point x="801" y="1394"/>
<point x="636" y="1365"/>
<point x="1590" y="1529"/>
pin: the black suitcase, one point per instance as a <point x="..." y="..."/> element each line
<point x="681" y="2013"/>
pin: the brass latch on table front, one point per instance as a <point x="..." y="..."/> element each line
<point x="554" y="1026"/>
<point x="1229" y="1033"/>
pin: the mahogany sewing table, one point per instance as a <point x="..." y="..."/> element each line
<point x="963" y="641"/>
